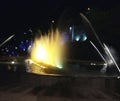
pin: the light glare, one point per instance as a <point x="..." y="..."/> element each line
<point x="48" y="50"/>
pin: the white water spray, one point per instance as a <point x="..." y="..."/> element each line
<point x="108" y="54"/>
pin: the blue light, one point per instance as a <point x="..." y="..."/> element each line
<point x="77" y="38"/>
<point x="12" y="52"/>
<point x="83" y="37"/>
<point x="70" y="28"/>
<point x="66" y="36"/>
<point x="24" y="49"/>
<point x="25" y="45"/>
<point x="6" y="48"/>
<point x="22" y="46"/>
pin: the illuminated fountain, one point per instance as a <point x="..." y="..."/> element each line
<point x="107" y="57"/>
<point x="48" y="54"/>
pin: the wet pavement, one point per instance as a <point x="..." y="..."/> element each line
<point x="30" y="87"/>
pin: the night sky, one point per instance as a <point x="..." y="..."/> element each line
<point x="20" y="14"/>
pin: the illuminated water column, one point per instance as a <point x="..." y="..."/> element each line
<point x="72" y="32"/>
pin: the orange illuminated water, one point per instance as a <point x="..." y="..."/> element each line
<point x="48" y="49"/>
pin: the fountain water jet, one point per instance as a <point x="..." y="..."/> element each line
<point x="108" y="54"/>
<point x="48" y="51"/>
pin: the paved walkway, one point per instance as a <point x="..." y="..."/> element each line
<point x="42" y="88"/>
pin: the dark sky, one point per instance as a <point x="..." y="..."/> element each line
<point x="18" y="14"/>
